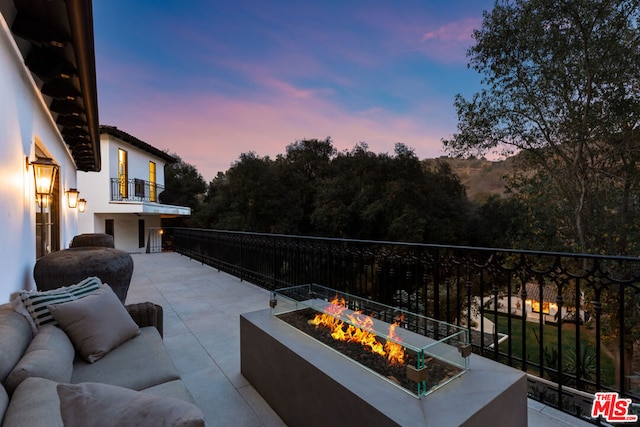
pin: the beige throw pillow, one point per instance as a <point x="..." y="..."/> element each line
<point x="104" y="405"/>
<point x="95" y="324"/>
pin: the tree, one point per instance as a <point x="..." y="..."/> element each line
<point x="341" y="196"/>
<point x="305" y="164"/>
<point x="248" y="197"/>
<point x="447" y="208"/>
<point x="562" y="84"/>
<point x="184" y="186"/>
<point x="312" y="191"/>
<point x="498" y="223"/>
<point x="383" y="197"/>
<point x="563" y="87"/>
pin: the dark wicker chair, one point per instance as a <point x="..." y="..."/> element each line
<point x="147" y="314"/>
<point x="92" y="239"/>
<point x="70" y="266"/>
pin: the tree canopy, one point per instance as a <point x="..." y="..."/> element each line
<point x="184" y="186"/>
<point x="313" y="190"/>
<point x="561" y="86"/>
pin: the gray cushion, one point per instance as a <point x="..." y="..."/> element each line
<point x="103" y="405"/>
<point x="174" y="388"/>
<point x="15" y="336"/>
<point x="145" y="355"/>
<point x="50" y="355"/>
<point x="4" y="402"/>
<point x="34" y="403"/>
<point x="95" y="324"/>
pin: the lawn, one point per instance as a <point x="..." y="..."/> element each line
<point x="550" y="341"/>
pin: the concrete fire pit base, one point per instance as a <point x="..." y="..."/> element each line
<point x="307" y="383"/>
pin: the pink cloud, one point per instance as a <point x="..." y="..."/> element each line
<point x="210" y="131"/>
<point x="448" y="43"/>
<point x="453" y="32"/>
<point x="289" y="62"/>
<point x="438" y="39"/>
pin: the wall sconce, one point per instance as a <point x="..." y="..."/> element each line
<point x="44" y="172"/>
<point x="72" y="198"/>
<point x="82" y="205"/>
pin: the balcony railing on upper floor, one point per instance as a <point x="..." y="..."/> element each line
<point x="134" y="190"/>
<point x="571" y="321"/>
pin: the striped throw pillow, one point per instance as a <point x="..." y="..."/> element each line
<point x="36" y="302"/>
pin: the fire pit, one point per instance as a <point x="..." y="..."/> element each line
<point x="310" y="378"/>
<point x="377" y="336"/>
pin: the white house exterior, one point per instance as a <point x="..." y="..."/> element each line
<point x="45" y="112"/>
<point x="123" y="198"/>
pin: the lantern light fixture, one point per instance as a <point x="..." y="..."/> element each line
<point x="82" y="205"/>
<point x="72" y="198"/>
<point x="44" y="172"/>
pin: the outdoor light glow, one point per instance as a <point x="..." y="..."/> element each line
<point x="43" y="201"/>
<point x="44" y="172"/>
<point x="72" y="198"/>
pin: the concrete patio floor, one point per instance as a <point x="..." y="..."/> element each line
<point x="201" y="331"/>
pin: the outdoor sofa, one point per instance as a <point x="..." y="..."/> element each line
<point x="89" y="360"/>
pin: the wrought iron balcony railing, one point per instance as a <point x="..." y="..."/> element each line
<point x="571" y="321"/>
<point x="135" y="190"/>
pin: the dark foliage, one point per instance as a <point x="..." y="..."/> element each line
<point x="313" y="190"/>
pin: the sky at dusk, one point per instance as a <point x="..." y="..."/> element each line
<point x="209" y="80"/>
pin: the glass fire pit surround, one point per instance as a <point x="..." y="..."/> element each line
<point x="414" y="352"/>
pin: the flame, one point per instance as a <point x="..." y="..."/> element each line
<point x="395" y="352"/>
<point x="360" y="331"/>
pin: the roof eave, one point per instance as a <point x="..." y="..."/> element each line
<point x="80" y="14"/>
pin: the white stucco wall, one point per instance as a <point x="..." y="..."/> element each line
<point x="24" y="118"/>
<point x="126" y="229"/>
<point x="94" y="188"/>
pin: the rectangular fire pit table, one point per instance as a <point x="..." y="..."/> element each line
<point x="309" y="383"/>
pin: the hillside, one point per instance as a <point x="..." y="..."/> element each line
<point x="482" y="178"/>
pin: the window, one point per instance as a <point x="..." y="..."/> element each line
<point x="138" y="185"/>
<point x="109" y="227"/>
<point x="141" y="233"/>
<point x="152" y="182"/>
<point x="536" y="307"/>
<point x="123" y="173"/>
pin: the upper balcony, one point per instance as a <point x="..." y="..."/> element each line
<point x="142" y="196"/>
<point x="134" y="190"/>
